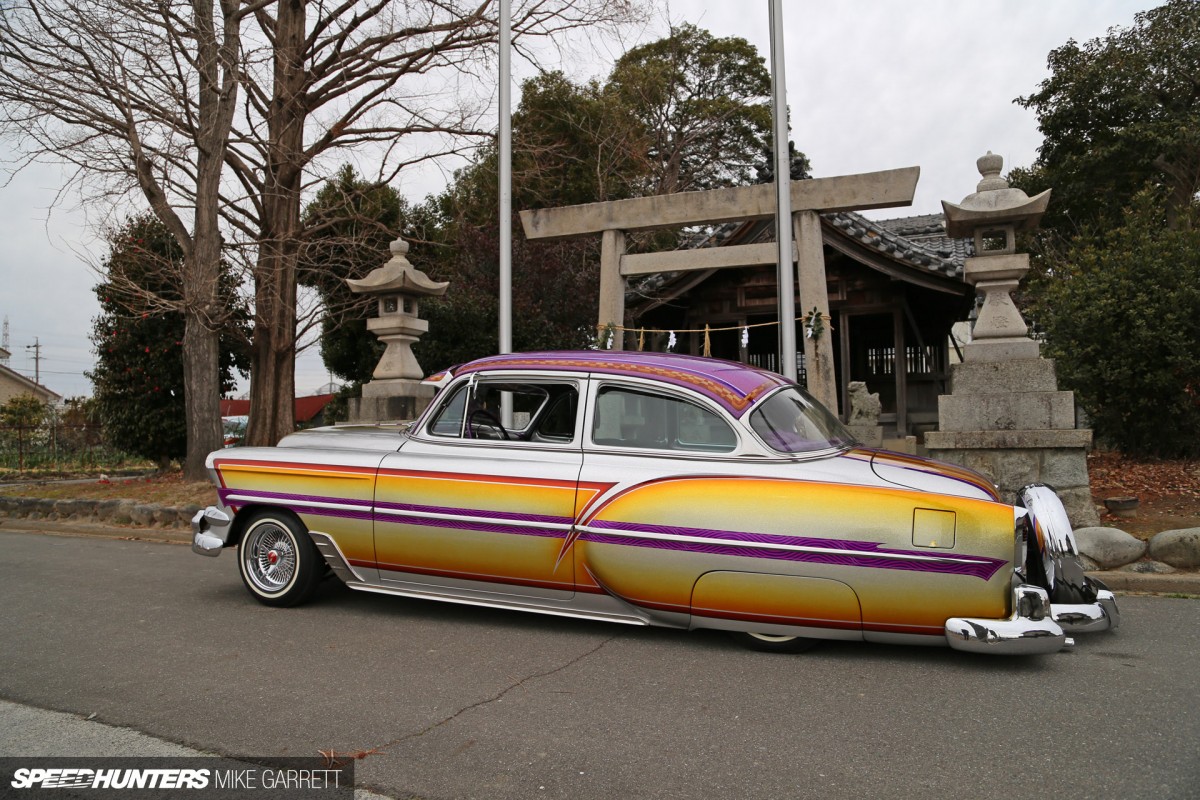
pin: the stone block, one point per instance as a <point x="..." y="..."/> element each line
<point x="1149" y="568"/>
<point x="376" y="407"/>
<point x="123" y="513"/>
<point x="1065" y="468"/>
<point x="1025" y="411"/>
<point x="1179" y="548"/>
<point x="869" y="435"/>
<point x="1011" y="440"/>
<point x="1003" y="377"/>
<point x="105" y="508"/>
<point x="1015" y="349"/>
<point x="67" y="509"/>
<point x="1109" y="547"/>
<point x="142" y="513"/>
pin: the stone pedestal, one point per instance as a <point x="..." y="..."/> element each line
<point x="1007" y="420"/>
<point x="869" y="435"/>
<point x="390" y="400"/>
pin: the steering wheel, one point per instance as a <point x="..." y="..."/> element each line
<point x="489" y="420"/>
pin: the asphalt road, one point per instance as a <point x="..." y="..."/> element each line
<point x="452" y="701"/>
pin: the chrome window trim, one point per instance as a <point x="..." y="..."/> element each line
<point x="598" y="382"/>
<point x="423" y="433"/>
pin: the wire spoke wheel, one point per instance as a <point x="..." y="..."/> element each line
<point x="271" y="557"/>
<point x="278" y="561"/>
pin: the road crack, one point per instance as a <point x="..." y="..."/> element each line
<point x="335" y="757"/>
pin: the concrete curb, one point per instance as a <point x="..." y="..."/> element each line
<point x="115" y="513"/>
<point x="126" y="519"/>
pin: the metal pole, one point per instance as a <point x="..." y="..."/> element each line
<point x="505" y="181"/>
<point x="505" y="176"/>
<point x="783" y="198"/>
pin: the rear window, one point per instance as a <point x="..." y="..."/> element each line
<point x="635" y="419"/>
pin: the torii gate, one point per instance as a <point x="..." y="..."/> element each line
<point x="613" y="219"/>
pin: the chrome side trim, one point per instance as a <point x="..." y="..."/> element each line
<point x="334" y="557"/>
<point x="795" y="548"/>
<point x="1029" y="631"/>
<point x="210" y="531"/>
<point x="509" y="606"/>
<point x="242" y="498"/>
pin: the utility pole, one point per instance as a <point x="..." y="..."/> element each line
<point x="36" y="347"/>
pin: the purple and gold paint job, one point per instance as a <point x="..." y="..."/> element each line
<point x="840" y="544"/>
<point x="735" y="387"/>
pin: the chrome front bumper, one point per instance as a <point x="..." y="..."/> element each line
<point x="1031" y="629"/>
<point x="210" y="531"/>
<point x="1036" y="626"/>
<point x="1101" y="615"/>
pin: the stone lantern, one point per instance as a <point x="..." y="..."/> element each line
<point x="992" y="216"/>
<point x="1005" y="416"/>
<point x="396" y="392"/>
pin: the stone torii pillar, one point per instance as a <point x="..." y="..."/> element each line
<point x="809" y="198"/>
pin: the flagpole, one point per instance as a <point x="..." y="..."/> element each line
<point x="783" y="198"/>
<point x="505" y="177"/>
<point x="505" y="182"/>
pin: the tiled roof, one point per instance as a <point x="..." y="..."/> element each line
<point x="925" y="250"/>
<point x="929" y="231"/>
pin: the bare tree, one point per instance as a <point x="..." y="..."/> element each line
<point x="139" y="97"/>
<point x="343" y="74"/>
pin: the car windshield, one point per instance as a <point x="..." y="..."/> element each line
<point x="792" y="422"/>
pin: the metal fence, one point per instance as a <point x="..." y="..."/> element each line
<point x="56" y="446"/>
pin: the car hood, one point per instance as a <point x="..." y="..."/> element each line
<point x="349" y="437"/>
<point x="927" y="475"/>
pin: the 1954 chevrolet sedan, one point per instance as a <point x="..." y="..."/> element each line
<point x="654" y="489"/>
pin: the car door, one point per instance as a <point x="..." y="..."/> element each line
<point x="472" y="507"/>
<point x="639" y="437"/>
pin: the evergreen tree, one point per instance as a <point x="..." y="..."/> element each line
<point x="138" y="379"/>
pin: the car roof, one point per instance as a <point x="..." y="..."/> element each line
<point x="734" y="386"/>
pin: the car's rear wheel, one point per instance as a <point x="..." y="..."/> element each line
<point x="774" y="643"/>
<point x="278" y="561"/>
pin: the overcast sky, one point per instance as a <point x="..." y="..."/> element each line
<point x="872" y="84"/>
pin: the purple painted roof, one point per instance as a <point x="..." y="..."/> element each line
<point x="735" y="386"/>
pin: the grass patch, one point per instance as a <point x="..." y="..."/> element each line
<point x="168" y="489"/>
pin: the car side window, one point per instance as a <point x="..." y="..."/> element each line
<point x="635" y="419"/>
<point x="541" y="412"/>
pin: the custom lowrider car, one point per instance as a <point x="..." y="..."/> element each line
<point x="654" y="489"/>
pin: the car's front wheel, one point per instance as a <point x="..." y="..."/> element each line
<point x="774" y="643"/>
<point x="278" y="561"/>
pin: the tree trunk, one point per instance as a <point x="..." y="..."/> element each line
<point x="217" y="90"/>
<point x="273" y="352"/>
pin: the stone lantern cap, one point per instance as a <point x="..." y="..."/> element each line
<point x="994" y="203"/>
<point x="398" y="276"/>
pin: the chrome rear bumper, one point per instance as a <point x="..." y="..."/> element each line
<point x="210" y="531"/>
